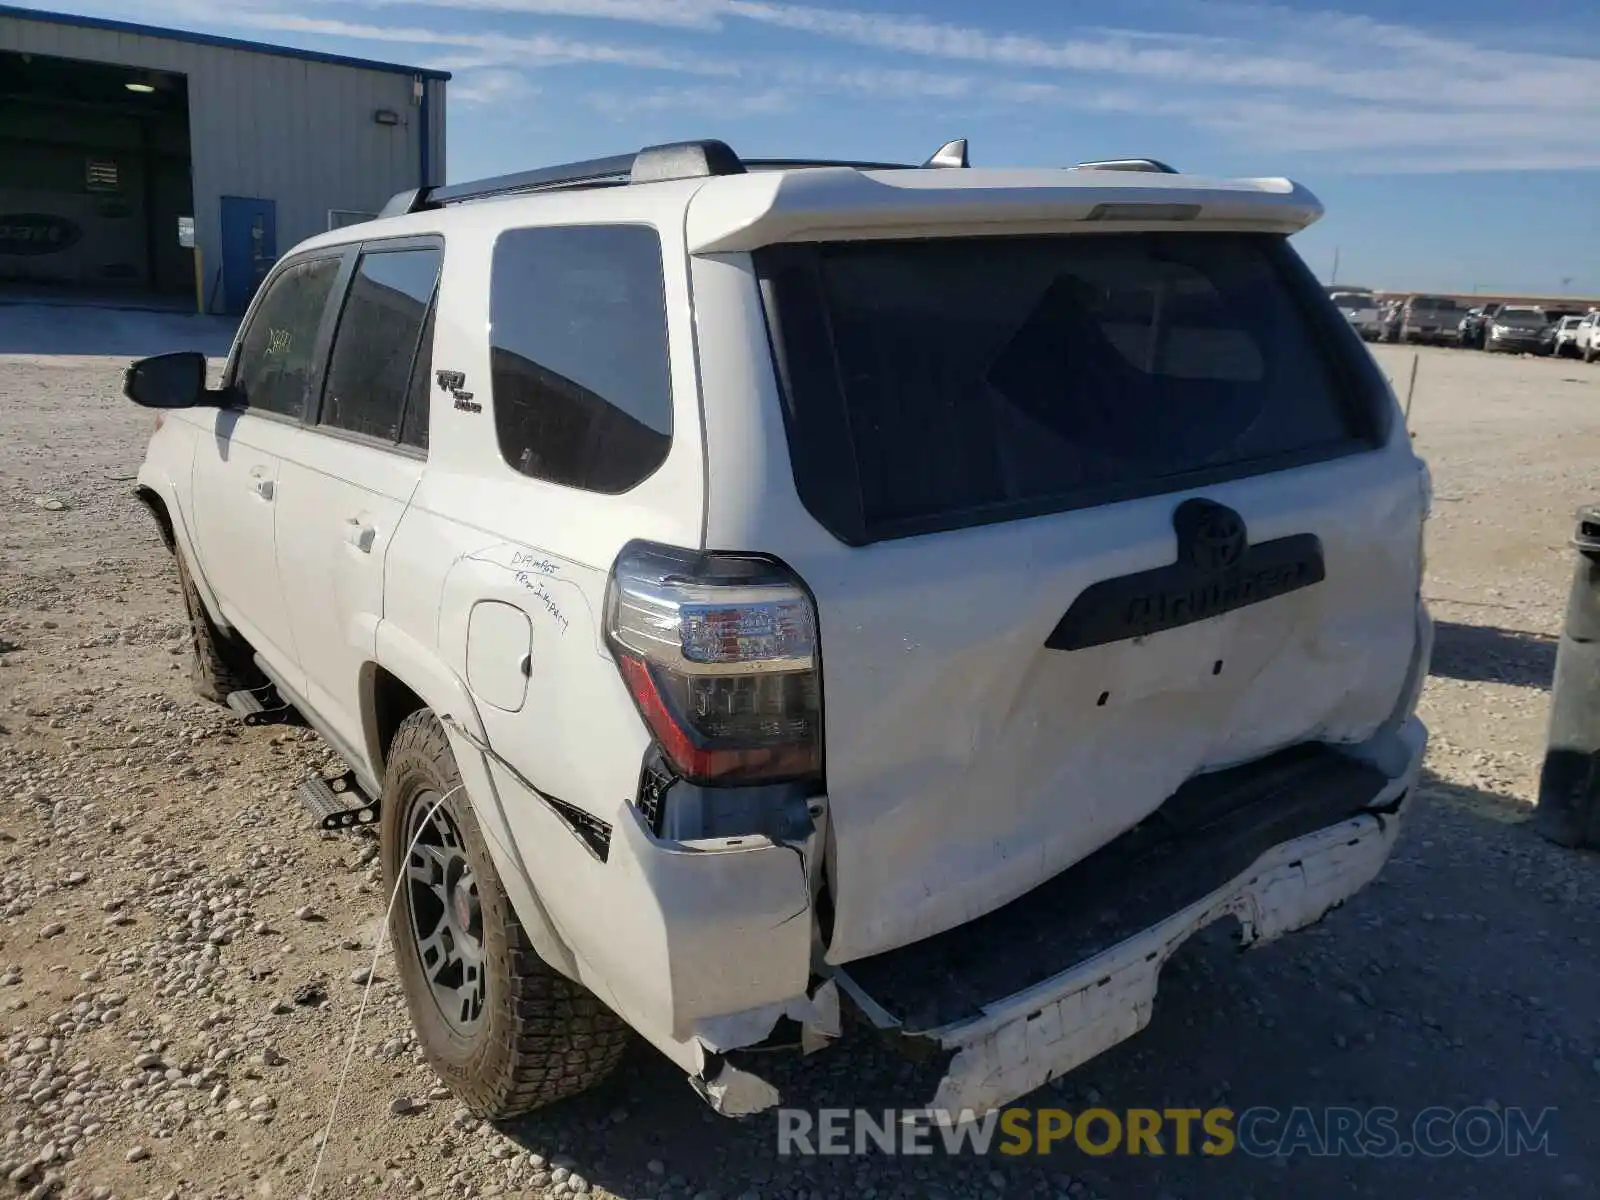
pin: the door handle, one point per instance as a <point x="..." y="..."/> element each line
<point x="359" y="534"/>
<point x="262" y="488"/>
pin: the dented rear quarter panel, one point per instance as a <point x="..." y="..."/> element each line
<point x="667" y="934"/>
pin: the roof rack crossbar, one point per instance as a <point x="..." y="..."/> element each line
<point x="674" y="160"/>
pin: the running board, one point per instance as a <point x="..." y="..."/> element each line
<point x="338" y="803"/>
<point x="261" y="706"/>
<point x="303" y="712"/>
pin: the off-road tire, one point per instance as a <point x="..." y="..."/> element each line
<point x="544" y="1037"/>
<point x="218" y="664"/>
<point x="1588" y="354"/>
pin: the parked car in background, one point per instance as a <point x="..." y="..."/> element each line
<point x="1565" y="337"/>
<point x="1472" y="328"/>
<point x="1547" y="335"/>
<point x="1389" y="320"/>
<point x="1520" y="329"/>
<point x="1586" y="339"/>
<point x="1429" y="319"/>
<point x="1361" y="310"/>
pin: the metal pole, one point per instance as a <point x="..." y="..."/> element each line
<point x="1334" y="278"/>
<point x="1412" y="386"/>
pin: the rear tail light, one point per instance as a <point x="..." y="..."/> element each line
<point x="719" y="652"/>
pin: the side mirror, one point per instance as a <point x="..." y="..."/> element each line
<point x="168" y="381"/>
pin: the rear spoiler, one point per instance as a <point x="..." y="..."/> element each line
<point x="744" y="212"/>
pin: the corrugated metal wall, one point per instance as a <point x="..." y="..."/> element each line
<point x="298" y="132"/>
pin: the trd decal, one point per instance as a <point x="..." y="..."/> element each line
<point x="454" y="382"/>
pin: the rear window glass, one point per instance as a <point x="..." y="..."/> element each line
<point x="578" y="337"/>
<point x="1526" y="317"/>
<point x="939" y="383"/>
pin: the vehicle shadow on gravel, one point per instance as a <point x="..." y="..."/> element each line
<point x="1487" y="654"/>
<point x="1459" y="978"/>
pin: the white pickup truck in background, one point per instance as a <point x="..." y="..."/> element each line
<point x="1586" y="337"/>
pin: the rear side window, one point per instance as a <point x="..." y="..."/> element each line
<point x="376" y="347"/>
<point x="274" y="362"/>
<point x="941" y="383"/>
<point x="578" y="333"/>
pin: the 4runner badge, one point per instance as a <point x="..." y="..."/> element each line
<point x="453" y="382"/>
<point x="1217" y="571"/>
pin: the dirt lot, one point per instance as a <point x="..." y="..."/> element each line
<point x="178" y="949"/>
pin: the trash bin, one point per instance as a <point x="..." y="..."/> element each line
<point x="1569" y="783"/>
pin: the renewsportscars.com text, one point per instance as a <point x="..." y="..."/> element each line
<point x="1259" y="1132"/>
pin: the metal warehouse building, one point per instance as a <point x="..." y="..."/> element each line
<point x="156" y="163"/>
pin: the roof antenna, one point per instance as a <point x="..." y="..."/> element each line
<point x="951" y="154"/>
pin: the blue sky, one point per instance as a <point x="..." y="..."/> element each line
<point x="1455" y="143"/>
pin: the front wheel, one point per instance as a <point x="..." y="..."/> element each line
<point x="218" y="664"/>
<point x="503" y="1029"/>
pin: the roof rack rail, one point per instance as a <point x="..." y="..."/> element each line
<point x="653" y="164"/>
<point x="674" y="160"/>
<point x="1128" y="164"/>
<point x="789" y="164"/>
<point x="951" y="154"/>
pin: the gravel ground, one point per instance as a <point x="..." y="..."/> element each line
<point x="179" y="950"/>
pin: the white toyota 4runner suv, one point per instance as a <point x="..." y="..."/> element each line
<point x="742" y="589"/>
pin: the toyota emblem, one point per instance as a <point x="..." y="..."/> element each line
<point x="1211" y="537"/>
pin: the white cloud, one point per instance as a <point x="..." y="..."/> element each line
<point x="712" y="100"/>
<point x="476" y="88"/>
<point x="534" y="49"/>
<point x="1377" y="138"/>
<point x="1345" y="56"/>
<point x="686" y="14"/>
<point x="507" y="49"/>
<point x="1347" y="89"/>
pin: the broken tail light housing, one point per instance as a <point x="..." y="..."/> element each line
<point x="719" y="652"/>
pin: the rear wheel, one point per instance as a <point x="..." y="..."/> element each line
<point x="218" y="663"/>
<point x="504" y="1030"/>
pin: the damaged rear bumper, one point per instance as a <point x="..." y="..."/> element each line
<point x="1276" y="846"/>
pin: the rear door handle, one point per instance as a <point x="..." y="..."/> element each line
<point x="261" y="482"/>
<point x="359" y="534"/>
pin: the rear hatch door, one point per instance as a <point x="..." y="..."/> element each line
<point x="1087" y="514"/>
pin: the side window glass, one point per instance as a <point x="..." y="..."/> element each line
<point x="275" y="360"/>
<point x="369" y="369"/>
<point x="414" y="425"/>
<point x="578" y="338"/>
